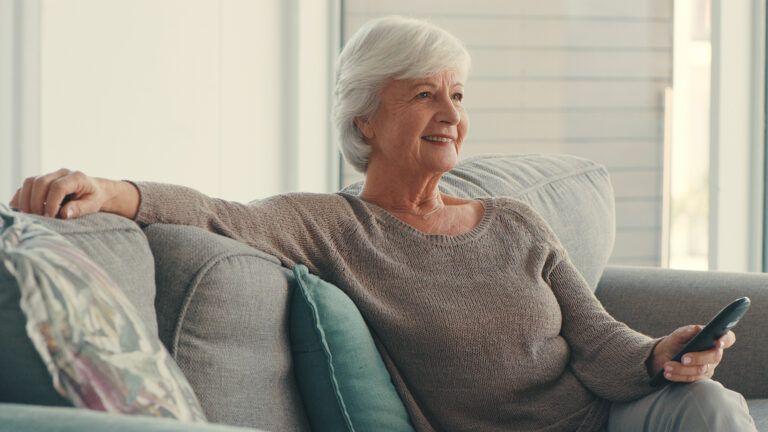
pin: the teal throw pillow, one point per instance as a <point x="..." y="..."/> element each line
<point x="341" y="377"/>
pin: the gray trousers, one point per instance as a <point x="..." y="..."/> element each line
<point x="699" y="406"/>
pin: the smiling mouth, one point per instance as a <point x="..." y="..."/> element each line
<point x="437" y="139"/>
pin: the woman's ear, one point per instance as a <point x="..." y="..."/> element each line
<point x="363" y="124"/>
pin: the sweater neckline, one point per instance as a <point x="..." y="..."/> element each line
<point x="410" y="231"/>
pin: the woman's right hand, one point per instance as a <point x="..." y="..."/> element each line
<point x="45" y="195"/>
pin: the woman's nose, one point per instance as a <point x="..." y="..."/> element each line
<point x="448" y="111"/>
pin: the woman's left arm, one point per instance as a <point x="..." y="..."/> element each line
<point x="610" y="358"/>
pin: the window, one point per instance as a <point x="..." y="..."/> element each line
<point x="210" y="94"/>
<point x="689" y="145"/>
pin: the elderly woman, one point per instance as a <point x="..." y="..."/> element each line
<point x="482" y="319"/>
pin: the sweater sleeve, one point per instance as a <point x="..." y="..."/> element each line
<point x="606" y="355"/>
<point x="279" y="225"/>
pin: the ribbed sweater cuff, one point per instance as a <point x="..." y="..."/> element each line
<point x="141" y="199"/>
<point x="150" y="194"/>
<point x="643" y="378"/>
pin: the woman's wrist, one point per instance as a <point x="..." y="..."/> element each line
<point x="122" y="198"/>
<point x="656" y="360"/>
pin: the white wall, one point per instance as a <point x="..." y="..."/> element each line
<point x="196" y="92"/>
<point x="579" y="77"/>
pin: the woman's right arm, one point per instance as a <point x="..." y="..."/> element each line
<point x="274" y="225"/>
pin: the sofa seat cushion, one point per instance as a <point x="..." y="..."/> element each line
<point x="758" y="408"/>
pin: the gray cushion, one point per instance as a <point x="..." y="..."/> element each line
<point x="119" y="247"/>
<point x="29" y="418"/>
<point x="656" y="301"/>
<point x="574" y="195"/>
<point x="758" y="408"/>
<point x="223" y="314"/>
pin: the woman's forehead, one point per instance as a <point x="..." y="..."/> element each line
<point x="446" y="78"/>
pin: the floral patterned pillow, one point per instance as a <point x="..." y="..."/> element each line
<point x="98" y="351"/>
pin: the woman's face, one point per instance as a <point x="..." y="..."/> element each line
<point x="419" y="125"/>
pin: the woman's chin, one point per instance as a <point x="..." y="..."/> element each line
<point x="438" y="157"/>
<point x="444" y="163"/>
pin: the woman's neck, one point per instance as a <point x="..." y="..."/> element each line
<point x="402" y="193"/>
<point x="417" y="201"/>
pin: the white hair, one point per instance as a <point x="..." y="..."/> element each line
<point x="392" y="47"/>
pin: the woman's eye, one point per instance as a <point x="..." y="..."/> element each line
<point x="458" y="97"/>
<point x="423" y="95"/>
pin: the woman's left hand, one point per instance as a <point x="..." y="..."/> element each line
<point x="695" y="366"/>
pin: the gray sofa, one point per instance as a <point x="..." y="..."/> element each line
<point x="220" y="307"/>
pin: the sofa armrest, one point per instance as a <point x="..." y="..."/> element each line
<point x="222" y="311"/>
<point x="17" y="417"/>
<point x="655" y="301"/>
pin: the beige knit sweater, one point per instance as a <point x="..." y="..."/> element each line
<point x="491" y="330"/>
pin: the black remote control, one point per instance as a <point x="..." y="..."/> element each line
<point x="725" y="320"/>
